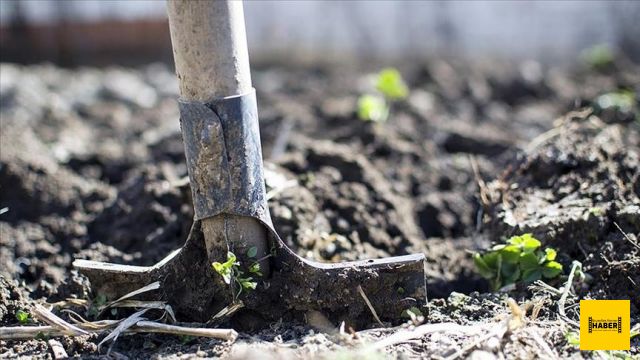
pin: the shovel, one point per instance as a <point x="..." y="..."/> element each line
<point x="219" y="125"/>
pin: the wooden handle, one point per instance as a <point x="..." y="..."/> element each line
<point x="209" y="48"/>
<point x="212" y="61"/>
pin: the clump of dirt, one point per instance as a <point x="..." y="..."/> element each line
<point x="577" y="189"/>
<point x="12" y="299"/>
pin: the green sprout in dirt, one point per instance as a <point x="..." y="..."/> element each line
<point x="598" y="57"/>
<point x="573" y="338"/>
<point x="621" y="100"/>
<point x="389" y="87"/>
<point x="22" y="316"/>
<point x="411" y="312"/>
<point x="96" y="306"/>
<point x="390" y="83"/>
<point x="185" y="339"/>
<point x="230" y="271"/>
<point x="520" y="259"/>
<point x="373" y="108"/>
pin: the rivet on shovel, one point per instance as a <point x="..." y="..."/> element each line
<point x="220" y="131"/>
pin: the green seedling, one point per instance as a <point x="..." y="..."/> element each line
<point x="96" y="306"/>
<point x="252" y="252"/>
<point x="389" y="87"/>
<point x="230" y="271"/>
<point x="573" y="338"/>
<point x="520" y="259"/>
<point x="226" y="268"/>
<point x="412" y="312"/>
<point x="621" y="100"/>
<point x="390" y="83"/>
<point x="22" y="316"/>
<point x="598" y="57"/>
<point x="596" y="211"/>
<point x="185" y="339"/>
<point x="373" y="108"/>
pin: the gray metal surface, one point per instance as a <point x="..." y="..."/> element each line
<point x="224" y="157"/>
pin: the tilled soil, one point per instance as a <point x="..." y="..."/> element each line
<point x="92" y="166"/>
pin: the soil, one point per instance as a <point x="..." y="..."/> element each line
<point x="92" y="166"/>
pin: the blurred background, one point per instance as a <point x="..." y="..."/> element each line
<point x="92" y="32"/>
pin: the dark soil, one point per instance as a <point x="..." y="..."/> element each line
<point x="92" y="166"/>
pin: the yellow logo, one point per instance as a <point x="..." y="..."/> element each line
<point x="605" y="325"/>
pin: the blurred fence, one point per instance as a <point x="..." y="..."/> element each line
<point x="130" y="31"/>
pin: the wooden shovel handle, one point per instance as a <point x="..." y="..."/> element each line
<point x="212" y="61"/>
<point x="209" y="48"/>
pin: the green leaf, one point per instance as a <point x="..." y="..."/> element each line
<point x="528" y="261"/>
<point x="100" y="300"/>
<point x="231" y="260"/>
<point x="484" y="270"/>
<point x="529" y="243"/>
<point x="525" y="242"/>
<point x="247" y="284"/>
<point x="623" y="100"/>
<point x="372" y="108"/>
<point x="551" y="269"/>
<point x="185" y="339"/>
<point x="598" y="56"/>
<point x="219" y="268"/>
<point x="510" y="254"/>
<point x="492" y="260"/>
<point x="22" y="316"/>
<point x="223" y="270"/>
<point x="412" y="310"/>
<point x="511" y="274"/>
<point x="252" y="252"/>
<point x="255" y="269"/>
<point x="531" y="275"/>
<point x="391" y="84"/>
<point x="573" y="338"/>
<point x="515" y="240"/>
<point x="550" y="254"/>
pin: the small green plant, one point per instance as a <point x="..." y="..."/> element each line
<point x="596" y="211"/>
<point x="390" y="83"/>
<point x="185" y="339"/>
<point x="573" y="338"/>
<point x="373" y="108"/>
<point x="411" y="311"/>
<point x="598" y="57"/>
<point x="22" y="316"/>
<point x="230" y="271"/>
<point x="96" y="306"/>
<point x="520" y="259"/>
<point x="389" y="87"/>
<point x="621" y="100"/>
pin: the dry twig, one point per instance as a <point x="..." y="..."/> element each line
<point x="122" y="326"/>
<point x="154" y="327"/>
<point x="366" y="300"/>
<point x="626" y="236"/>
<point x="406" y="335"/>
<point x="144" y="289"/>
<point x="50" y="318"/>
<point x="563" y="298"/>
<point x="57" y="349"/>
